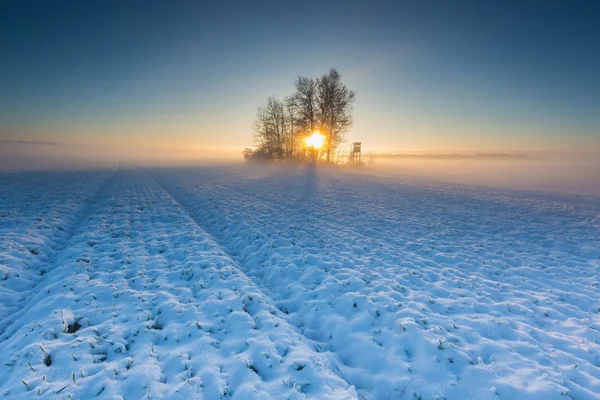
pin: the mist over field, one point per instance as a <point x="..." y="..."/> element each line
<point x="575" y="173"/>
<point x="568" y="173"/>
<point x="52" y="156"/>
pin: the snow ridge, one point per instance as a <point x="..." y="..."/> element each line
<point x="143" y="304"/>
<point x="437" y="291"/>
<point x="254" y="284"/>
<point x="38" y="212"/>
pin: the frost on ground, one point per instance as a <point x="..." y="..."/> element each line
<point x="207" y="283"/>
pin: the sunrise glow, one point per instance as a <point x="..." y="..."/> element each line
<point x="316" y="140"/>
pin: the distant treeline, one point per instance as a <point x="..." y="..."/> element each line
<point x="454" y="156"/>
<point x="281" y="127"/>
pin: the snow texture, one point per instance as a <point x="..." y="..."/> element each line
<point x="248" y="284"/>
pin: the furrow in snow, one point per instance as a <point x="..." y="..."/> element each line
<point x="38" y="214"/>
<point x="146" y="305"/>
<point x="458" y="296"/>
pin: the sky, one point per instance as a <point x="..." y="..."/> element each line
<point x="186" y="77"/>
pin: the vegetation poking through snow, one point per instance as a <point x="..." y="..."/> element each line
<point x="198" y="283"/>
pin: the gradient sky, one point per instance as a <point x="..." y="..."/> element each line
<point x="431" y="76"/>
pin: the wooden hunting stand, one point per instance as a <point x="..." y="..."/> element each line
<point x="355" y="155"/>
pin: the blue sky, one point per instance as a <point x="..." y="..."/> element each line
<point x="429" y="76"/>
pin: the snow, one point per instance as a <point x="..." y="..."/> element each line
<point x="253" y="284"/>
<point x="36" y="213"/>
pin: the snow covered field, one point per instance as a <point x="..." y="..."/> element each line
<point x="242" y="283"/>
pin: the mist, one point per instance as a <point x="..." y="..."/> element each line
<point x="572" y="173"/>
<point x="50" y="156"/>
<point x="569" y="173"/>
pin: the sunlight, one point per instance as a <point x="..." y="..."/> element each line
<point x="316" y="140"/>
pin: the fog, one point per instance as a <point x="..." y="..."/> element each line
<point x="47" y="156"/>
<point x="563" y="173"/>
<point x="556" y="172"/>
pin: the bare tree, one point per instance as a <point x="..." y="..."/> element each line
<point x="334" y="102"/>
<point x="270" y="128"/>
<point x="292" y="133"/>
<point x="303" y="104"/>
<point x="323" y="104"/>
<point x="248" y="153"/>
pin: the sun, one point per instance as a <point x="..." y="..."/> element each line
<point x="316" y="140"/>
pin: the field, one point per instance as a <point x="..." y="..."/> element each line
<point x="210" y="283"/>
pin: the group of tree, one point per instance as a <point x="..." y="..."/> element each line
<point x="281" y="127"/>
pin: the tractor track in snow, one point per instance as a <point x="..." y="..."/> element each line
<point x="321" y="347"/>
<point x="152" y="307"/>
<point x="436" y="257"/>
<point x="58" y="249"/>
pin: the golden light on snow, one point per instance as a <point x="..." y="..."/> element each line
<point x="316" y="140"/>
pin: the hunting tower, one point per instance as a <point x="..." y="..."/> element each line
<point x="355" y="155"/>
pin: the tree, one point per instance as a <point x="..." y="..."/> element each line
<point x="292" y="133"/>
<point x="280" y="127"/>
<point x="248" y="153"/>
<point x="303" y="104"/>
<point x="334" y="102"/>
<point x="270" y="128"/>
